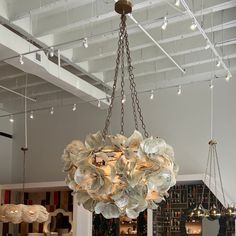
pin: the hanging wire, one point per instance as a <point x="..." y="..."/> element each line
<point x="220" y="176"/>
<point x="205" y="176"/>
<point x="215" y="182"/>
<point x="210" y="177"/>
<point x="25" y="147"/>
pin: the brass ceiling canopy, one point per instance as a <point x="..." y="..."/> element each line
<point x="123" y="7"/>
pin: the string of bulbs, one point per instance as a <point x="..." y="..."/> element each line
<point x="74" y="107"/>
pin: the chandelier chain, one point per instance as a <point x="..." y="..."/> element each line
<point x="123" y="45"/>
<point x="133" y="85"/>
<point x="109" y="114"/>
<point x="122" y="83"/>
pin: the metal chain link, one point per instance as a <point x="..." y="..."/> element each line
<point x="122" y="84"/>
<point x="123" y="44"/>
<point x="133" y="85"/>
<point x="109" y="113"/>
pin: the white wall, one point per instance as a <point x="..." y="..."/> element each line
<point x="183" y="121"/>
<point x="48" y="135"/>
<point x="5" y="150"/>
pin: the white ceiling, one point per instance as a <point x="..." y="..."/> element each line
<point x="66" y="22"/>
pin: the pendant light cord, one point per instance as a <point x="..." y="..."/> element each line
<point x="25" y="148"/>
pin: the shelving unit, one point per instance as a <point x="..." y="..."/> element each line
<point x="167" y="218"/>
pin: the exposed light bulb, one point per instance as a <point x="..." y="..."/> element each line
<point x="177" y="3"/>
<point x="32" y="115"/>
<point x="85" y="42"/>
<point x="179" y="92"/>
<point x="51" y="52"/>
<point x="193" y="25"/>
<point x="207" y="45"/>
<point x="11" y="119"/>
<point x="164" y="24"/>
<point x="21" y="60"/>
<point x="211" y="86"/>
<point x="152" y="95"/>
<point x="52" y="111"/>
<point x="99" y="103"/>
<point x="123" y="99"/>
<point x="228" y="77"/>
<point x="74" y="107"/>
<point x="218" y="64"/>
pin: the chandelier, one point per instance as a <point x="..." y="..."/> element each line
<point x="213" y="172"/>
<point x="17" y="213"/>
<point x="115" y="175"/>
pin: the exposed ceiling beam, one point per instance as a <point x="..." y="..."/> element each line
<point x="86" y="16"/>
<point x="155" y="22"/>
<point x="47" y="69"/>
<point x="155" y="68"/>
<point x="150" y="54"/>
<point x="152" y="81"/>
<point x="139" y="41"/>
<point x="30" y="85"/>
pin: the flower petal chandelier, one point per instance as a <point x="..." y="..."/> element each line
<point x="114" y="175"/>
<point x="17" y="213"/>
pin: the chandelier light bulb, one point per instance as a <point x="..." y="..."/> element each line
<point x="193" y="25"/>
<point x="52" y="111"/>
<point x="177" y="3"/>
<point x="218" y="64"/>
<point x="179" y="92"/>
<point x="85" y="42"/>
<point x="11" y="119"/>
<point x="164" y="24"/>
<point x="152" y="95"/>
<point x="21" y="60"/>
<point x="51" y="52"/>
<point x="74" y="107"/>
<point x="31" y="115"/>
<point x="99" y="103"/>
<point x="207" y="45"/>
<point x="228" y="77"/>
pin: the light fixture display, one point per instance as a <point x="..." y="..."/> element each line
<point x="218" y="64"/>
<point x="164" y="24"/>
<point x="31" y="115"/>
<point x="179" y="91"/>
<point x="114" y="175"/>
<point x="207" y="45"/>
<point x="74" y="107"/>
<point x="17" y="213"/>
<point x="177" y="3"/>
<point x="21" y="60"/>
<point x="152" y="95"/>
<point x="11" y="119"/>
<point x="212" y="174"/>
<point x="51" y="52"/>
<point x="85" y="42"/>
<point x="99" y="103"/>
<point x="228" y="77"/>
<point x="52" y="110"/>
<point x="193" y="25"/>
